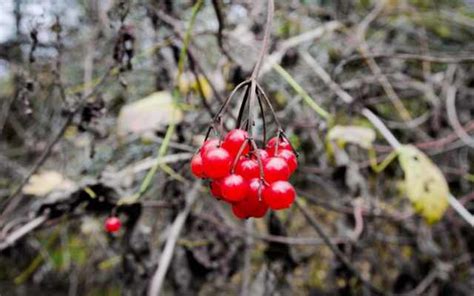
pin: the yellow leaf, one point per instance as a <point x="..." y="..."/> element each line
<point x="425" y="184"/>
<point x="188" y="83"/>
<point x="71" y="132"/>
<point x="45" y="182"/>
<point x="391" y="5"/>
<point x="358" y="135"/>
<point x="148" y="114"/>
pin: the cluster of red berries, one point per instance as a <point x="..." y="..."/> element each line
<point x="112" y="224"/>
<point x="251" y="180"/>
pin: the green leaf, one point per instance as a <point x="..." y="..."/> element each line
<point x="425" y="184"/>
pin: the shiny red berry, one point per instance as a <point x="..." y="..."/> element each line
<point x="263" y="155"/>
<point x="252" y="205"/>
<point x="276" y="169"/>
<point x="279" y="195"/>
<point x="240" y="212"/>
<point x="209" y="145"/>
<point x="234" y="188"/>
<point x="283" y="144"/>
<point x="112" y="224"/>
<point x="254" y="201"/>
<point x="216" y="189"/>
<point x="234" y="140"/>
<point x="247" y="168"/>
<point x="216" y="163"/>
<point x="290" y="159"/>
<point x="196" y="166"/>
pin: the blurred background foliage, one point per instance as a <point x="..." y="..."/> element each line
<point x="89" y="89"/>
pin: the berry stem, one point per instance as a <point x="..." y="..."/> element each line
<point x="259" y="160"/>
<point x="262" y="178"/>
<point x="266" y="38"/>
<point x="277" y="143"/>
<point x="208" y="133"/>
<point x="264" y="125"/>
<point x="242" y="107"/>
<point x="267" y="101"/>
<point x="258" y="65"/>
<point x="239" y="153"/>
<point x="282" y="134"/>
<point x="227" y="101"/>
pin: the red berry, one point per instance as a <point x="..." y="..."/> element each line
<point x="276" y="169"/>
<point x="112" y="224"/>
<point x="255" y="185"/>
<point x="216" y="163"/>
<point x="209" y="145"/>
<point x="290" y="159"/>
<point x="253" y="205"/>
<point x="234" y="140"/>
<point x="234" y="188"/>
<point x="240" y="212"/>
<point x="216" y="189"/>
<point x="279" y="195"/>
<point x="263" y="155"/>
<point x="283" y="144"/>
<point x="254" y="201"/>
<point x="196" y="166"/>
<point x="247" y="168"/>
<point x="261" y="210"/>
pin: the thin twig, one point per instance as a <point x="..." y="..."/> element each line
<point x="341" y="93"/>
<point x="344" y="260"/>
<point x="309" y="36"/>
<point x="461" y="210"/>
<point x="149" y="162"/>
<point x="192" y="67"/>
<point x="406" y="56"/>
<point x="246" y="270"/>
<point x="287" y="240"/>
<point x="174" y="232"/>
<point x="453" y="117"/>
<point x="220" y="20"/>
<point x="258" y="65"/>
<point x="22" y="231"/>
<point x="187" y="38"/>
<point x="145" y="185"/>
<point x="380" y="126"/>
<point x="12" y="202"/>
<point x="307" y="99"/>
<point x="374" y="67"/>
<point x="177" y="28"/>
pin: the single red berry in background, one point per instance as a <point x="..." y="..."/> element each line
<point x="112" y="224"/>
<point x="209" y="145"/>
<point x="216" y="189"/>
<point x="247" y="168"/>
<point x="290" y="159"/>
<point x="263" y="155"/>
<point x="279" y="195"/>
<point x="234" y="140"/>
<point x="196" y="166"/>
<point x="234" y="188"/>
<point x="276" y="169"/>
<point x="216" y="163"/>
<point x="283" y="144"/>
